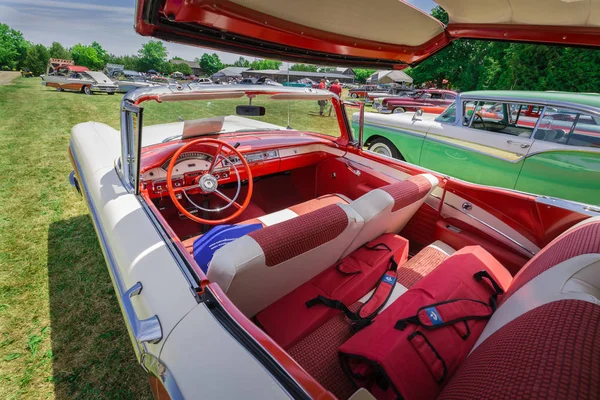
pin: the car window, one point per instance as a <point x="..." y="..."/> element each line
<point x="436" y="96"/>
<point x="448" y="96"/>
<point x="449" y="115"/>
<point x="569" y="127"/>
<point x="500" y="117"/>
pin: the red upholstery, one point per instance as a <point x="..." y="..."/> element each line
<point x="581" y="240"/>
<point x="317" y="353"/>
<point x="551" y="352"/>
<point x="417" y="361"/>
<point x="407" y="191"/>
<point x="317" y="203"/>
<point x="419" y="266"/>
<point x="291" y="238"/>
<point x="289" y="320"/>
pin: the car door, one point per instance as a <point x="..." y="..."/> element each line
<point x="482" y="146"/>
<point x="564" y="159"/>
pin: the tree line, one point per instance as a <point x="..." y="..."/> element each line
<point x="464" y="65"/>
<point x="485" y="65"/>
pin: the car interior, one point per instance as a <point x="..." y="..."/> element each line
<point x="328" y="226"/>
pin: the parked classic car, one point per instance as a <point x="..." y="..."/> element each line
<point x="540" y="142"/>
<point x="391" y="93"/>
<point x="129" y="80"/>
<point x="79" y="79"/>
<point x="304" y="213"/>
<point x="362" y="91"/>
<point x="435" y="99"/>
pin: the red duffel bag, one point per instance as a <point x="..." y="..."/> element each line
<point x="415" y="345"/>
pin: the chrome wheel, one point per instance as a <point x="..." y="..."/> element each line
<point x="398" y="110"/>
<point x="381" y="148"/>
<point x="87" y="90"/>
<point x="353" y="95"/>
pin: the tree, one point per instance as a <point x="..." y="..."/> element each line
<point x="242" y="62"/>
<point x="327" y="69"/>
<point x="87" y="56"/>
<point x="361" y="75"/>
<point x="304" y="68"/>
<point x="102" y="54"/>
<point x="440" y="14"/>
<point x="153" y="55"/>
<point x="184" y="68"/>
<point x="36" y="59"/>
<point x="13" y="48"/>
<point x="56" y="50"/>
<point x="265" y="64"/>
<point x="210" y="63"/>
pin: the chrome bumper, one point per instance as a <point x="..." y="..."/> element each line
<point x="104" y="89"/>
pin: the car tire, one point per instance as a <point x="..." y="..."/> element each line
<point x="86" y="90"/>
<point x="398" y="110"/>
<point x="384" y="147"/>
<point x="353" y="95"/>
<point x="110" y="94"/>
<point x="59" y="89"/>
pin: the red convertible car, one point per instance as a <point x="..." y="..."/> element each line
<point x="260" y="252"/>
<point x="435" y="100"/>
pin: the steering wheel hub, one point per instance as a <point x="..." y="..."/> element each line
<point x="208" y="183"/>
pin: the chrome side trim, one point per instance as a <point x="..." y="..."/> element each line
<point x="581" y="208"/>
<point x="468" y="206"/>
<point x="141" y="352"/>
<point x="397" y="129"/>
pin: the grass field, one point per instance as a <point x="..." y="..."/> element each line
<point x="61" y="330"/>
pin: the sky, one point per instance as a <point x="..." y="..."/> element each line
<point x="108" y="22"/>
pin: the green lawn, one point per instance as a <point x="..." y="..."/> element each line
<point x="61" y="330"/>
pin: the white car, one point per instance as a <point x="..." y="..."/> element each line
<point x="258" y="251"/>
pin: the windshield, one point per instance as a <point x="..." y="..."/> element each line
<point x="202" y="118"/>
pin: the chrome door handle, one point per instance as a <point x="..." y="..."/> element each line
<point x="523" y="145"/>
<point x="146" y="330"/>
<point x="355" y="171"/>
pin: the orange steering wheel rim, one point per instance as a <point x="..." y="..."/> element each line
<point x="220" y="145"/>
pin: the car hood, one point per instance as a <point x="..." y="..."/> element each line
<point x="397" y="35"/>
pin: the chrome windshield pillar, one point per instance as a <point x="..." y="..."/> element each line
<point x="131" y="146"/>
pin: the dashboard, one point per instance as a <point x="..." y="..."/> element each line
<point x="191" y="164"/>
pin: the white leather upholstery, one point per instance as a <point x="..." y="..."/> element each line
<point x="376" y="209"/>
<point x="241" y="269"/>
<point x="577" y="278"/>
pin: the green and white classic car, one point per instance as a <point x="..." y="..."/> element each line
<point x="545" y="143"/>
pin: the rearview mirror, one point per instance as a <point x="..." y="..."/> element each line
<point x="250" y="111"/>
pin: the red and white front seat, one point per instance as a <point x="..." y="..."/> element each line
<point x="388" y="208"/>
<point x="265" y="265"/>
<point x="544" y="339"/>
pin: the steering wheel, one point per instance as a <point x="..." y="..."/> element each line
<point x="480" y="118"/>
<point x="207" y="183"/>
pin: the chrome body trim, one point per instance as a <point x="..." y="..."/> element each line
<point x="141" y="351"/>
<point x="581" y="208"/>
<point x="466" y="207"/>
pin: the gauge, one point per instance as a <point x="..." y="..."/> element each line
<point x="192" y="157"/>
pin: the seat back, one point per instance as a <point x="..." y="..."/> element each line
<point x="265" y="265"/>
<point x="388" y="208"/>
<point x="543" y="339"/>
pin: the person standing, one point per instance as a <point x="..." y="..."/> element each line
<point x="336" y="88"/>
<point x="322" y="103"/>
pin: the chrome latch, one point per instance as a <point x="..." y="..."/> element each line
<point x="466" y="206"/>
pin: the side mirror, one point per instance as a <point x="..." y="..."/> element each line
<point x="417" y="114"/>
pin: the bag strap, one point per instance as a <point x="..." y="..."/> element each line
<point x="450" y="312"/>
<point x="365" y="314"/>
<point x="446" y="313"/>
<point x="349" y="270"/>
